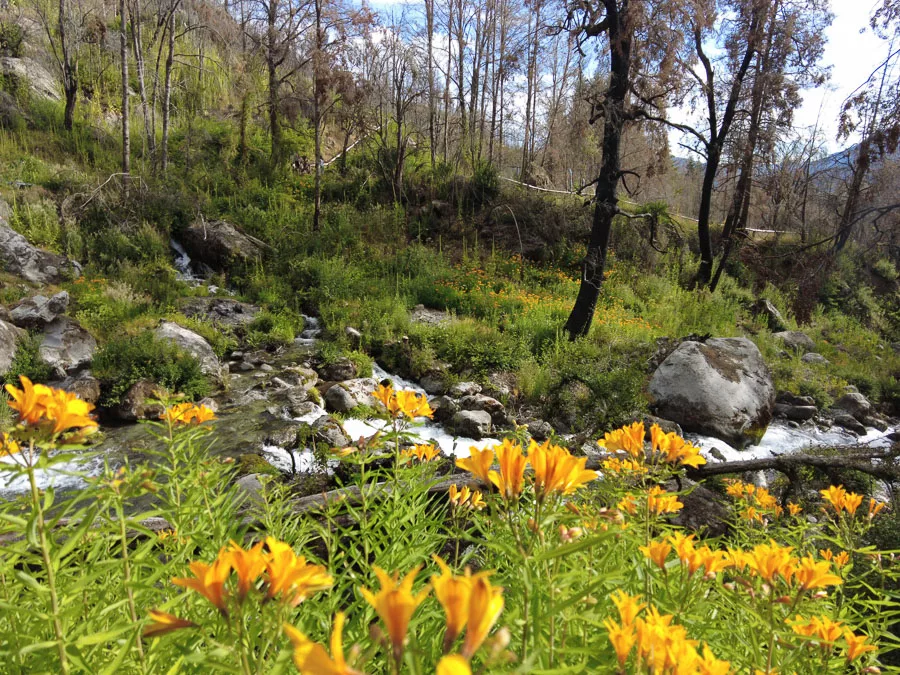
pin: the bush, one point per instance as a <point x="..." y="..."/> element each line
<point x="269" y="330"/>
<point x="12" y="40"/>
<point x="28" y="362"/>
<point x="124" y="360"/>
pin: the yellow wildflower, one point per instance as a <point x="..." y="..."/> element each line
<point x="812" y="574"/>
<point x="856" y="645"/>
<point x="289" y="576"/>
<point x="510" y="480"/>
<point x="453" y="665"/>
<point x="657" y="551"/>
<point x="209" y="581"/>
<point x="485" y="605"/>
<point x="628" y="438"/>
<point x="30" y="401"/>
<point x="556" y="470"/>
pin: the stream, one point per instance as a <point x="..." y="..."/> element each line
<point x="780" y="437"/>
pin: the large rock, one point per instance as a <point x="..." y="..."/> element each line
<point x="329" y="431"/>
<point x="794" y="339"/>
<point x="85" y="386"/>
<point x="797" y="413"/>
<point x="193" y="344"/>
<point x="491" y="406"/>
<point x="40" y="82"/>
<point x="135" y="404"/>
<point x="338" y="399"/>
<point x="66" y="346"/>
<point x="39" y="310"/>
<point x="219" y="244"/>
<point x="854" y="404"/>
<point x="470" y="424"/>
<point x="764" y="307"/>
<point x="220" y="311"/>
<point x="720" y="387"/>
<point x="9" y="343"/>
<point x="338" y="370"/>
<point x="19" y="257"/>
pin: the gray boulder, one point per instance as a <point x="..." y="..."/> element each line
<point x="471" y="424"/>
<point x="338" y="370"/>
<point x="37" y="311"/>
<point x="540" y="430"/>
<point x="461" y="389"/>
<point x="794" y="399"/>
<point x="814" y="357"/>
<point x="435" y="381"/>
<point x="720" y="387"/>
<point x="66" y="346"/>
<point x="21" y="258"/>
<point x="329" y="431"/>
<point x="797" y="413"/>
<point x="338" y="399"/>
<point x="444" y="408"/>
<point x="491" y="406"/>
<point x="850" y="423"/>
<point x="794" y="339"/>
<point x="854" y="404"/>
<point x="40" y="82"/>
<point x="219" y="244"/>
<point x="135" y="405"/>
<point x="9" y="344"/>
<point x="85" y="386"/>
<point x="764" y="307"/>
<point x="191" y="343"/>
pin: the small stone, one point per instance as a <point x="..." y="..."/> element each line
<point x="444" y="408"/>
<point x="813" y="357"/>
<point x="794" y="339"/>
<point x="244" y="367"/>
<point x="795" y="412"/>
<point x="540" y="430"/>
<point x="266" y="368"/>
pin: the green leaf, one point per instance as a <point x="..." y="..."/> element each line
<point x="104" y="636"/>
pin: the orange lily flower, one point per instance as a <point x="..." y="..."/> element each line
<point x="209" y="581"/>
<point x="478" y="463"/>
<point x="311" y="657"/>
<point x="290" y="576"/>
<point x="556" y="470"/>
<point x="30" y="401"/>
<point x="163" y="623"/>
<point x="485" y="605"/>
<point x="395" y="604"/>
<point x="510" y="481"/>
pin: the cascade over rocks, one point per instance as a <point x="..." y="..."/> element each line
<point x="219" y="244"/>
<point x="23" y="259"/>
<point x="721" y="387"/>
<point x="193" y="344"/>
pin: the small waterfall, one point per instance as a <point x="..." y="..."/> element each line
<point x="186" y="272"/>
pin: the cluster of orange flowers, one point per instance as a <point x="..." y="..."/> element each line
<point x="658" y="502"/>
<point x="236" y="571"/>
<point x="658" y="644"/>
<point x="826" y="632"/>
<point x="466" y="499"/>
<point x="423" y="453"/>
<point x="841" y="500"/>
<point x="187" y="413"/>
<point x="53" y="411"/>
<point x="669" y="448"/>
<point x="470" y="604"/>
<point x="757" y="501"/>
<point x="555" y="470"/>
<point x="405" y="404"/>
<point x="691" y="558"/>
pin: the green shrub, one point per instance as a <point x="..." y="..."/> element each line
<point x="126" y="359"/>
<point x="12" y="40"/>
<point x="886" y="269"/>
<point x="28" y="362"/>
<point x="272" y="329"/>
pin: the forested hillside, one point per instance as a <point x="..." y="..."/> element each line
<point x="452" y="337"/>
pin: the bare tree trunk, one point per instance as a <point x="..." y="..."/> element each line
<point x="318" y="91"/>
<point x="429" y="27"/>
<point x="461" y="76"/>
<point x="69" y="67"/>
<point x="529" y="78"/>
<point x="167" y="90"/>
<point x="447" y="81"/>
<point x="605" y="200"/>
<point x="274" y="84"/>
<point x="126" y="132"/>
<point x="137" y="47"/>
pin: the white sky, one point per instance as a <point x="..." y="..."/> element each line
<point x="852" y="56"/>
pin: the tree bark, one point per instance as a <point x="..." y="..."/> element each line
<point x="318" y="92"/>
<point x="605" y="200"/>
<point x="167" y="91"/>
<point x="429" y="27"/>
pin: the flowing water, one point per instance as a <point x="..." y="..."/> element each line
<point x="780" y="438"/>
